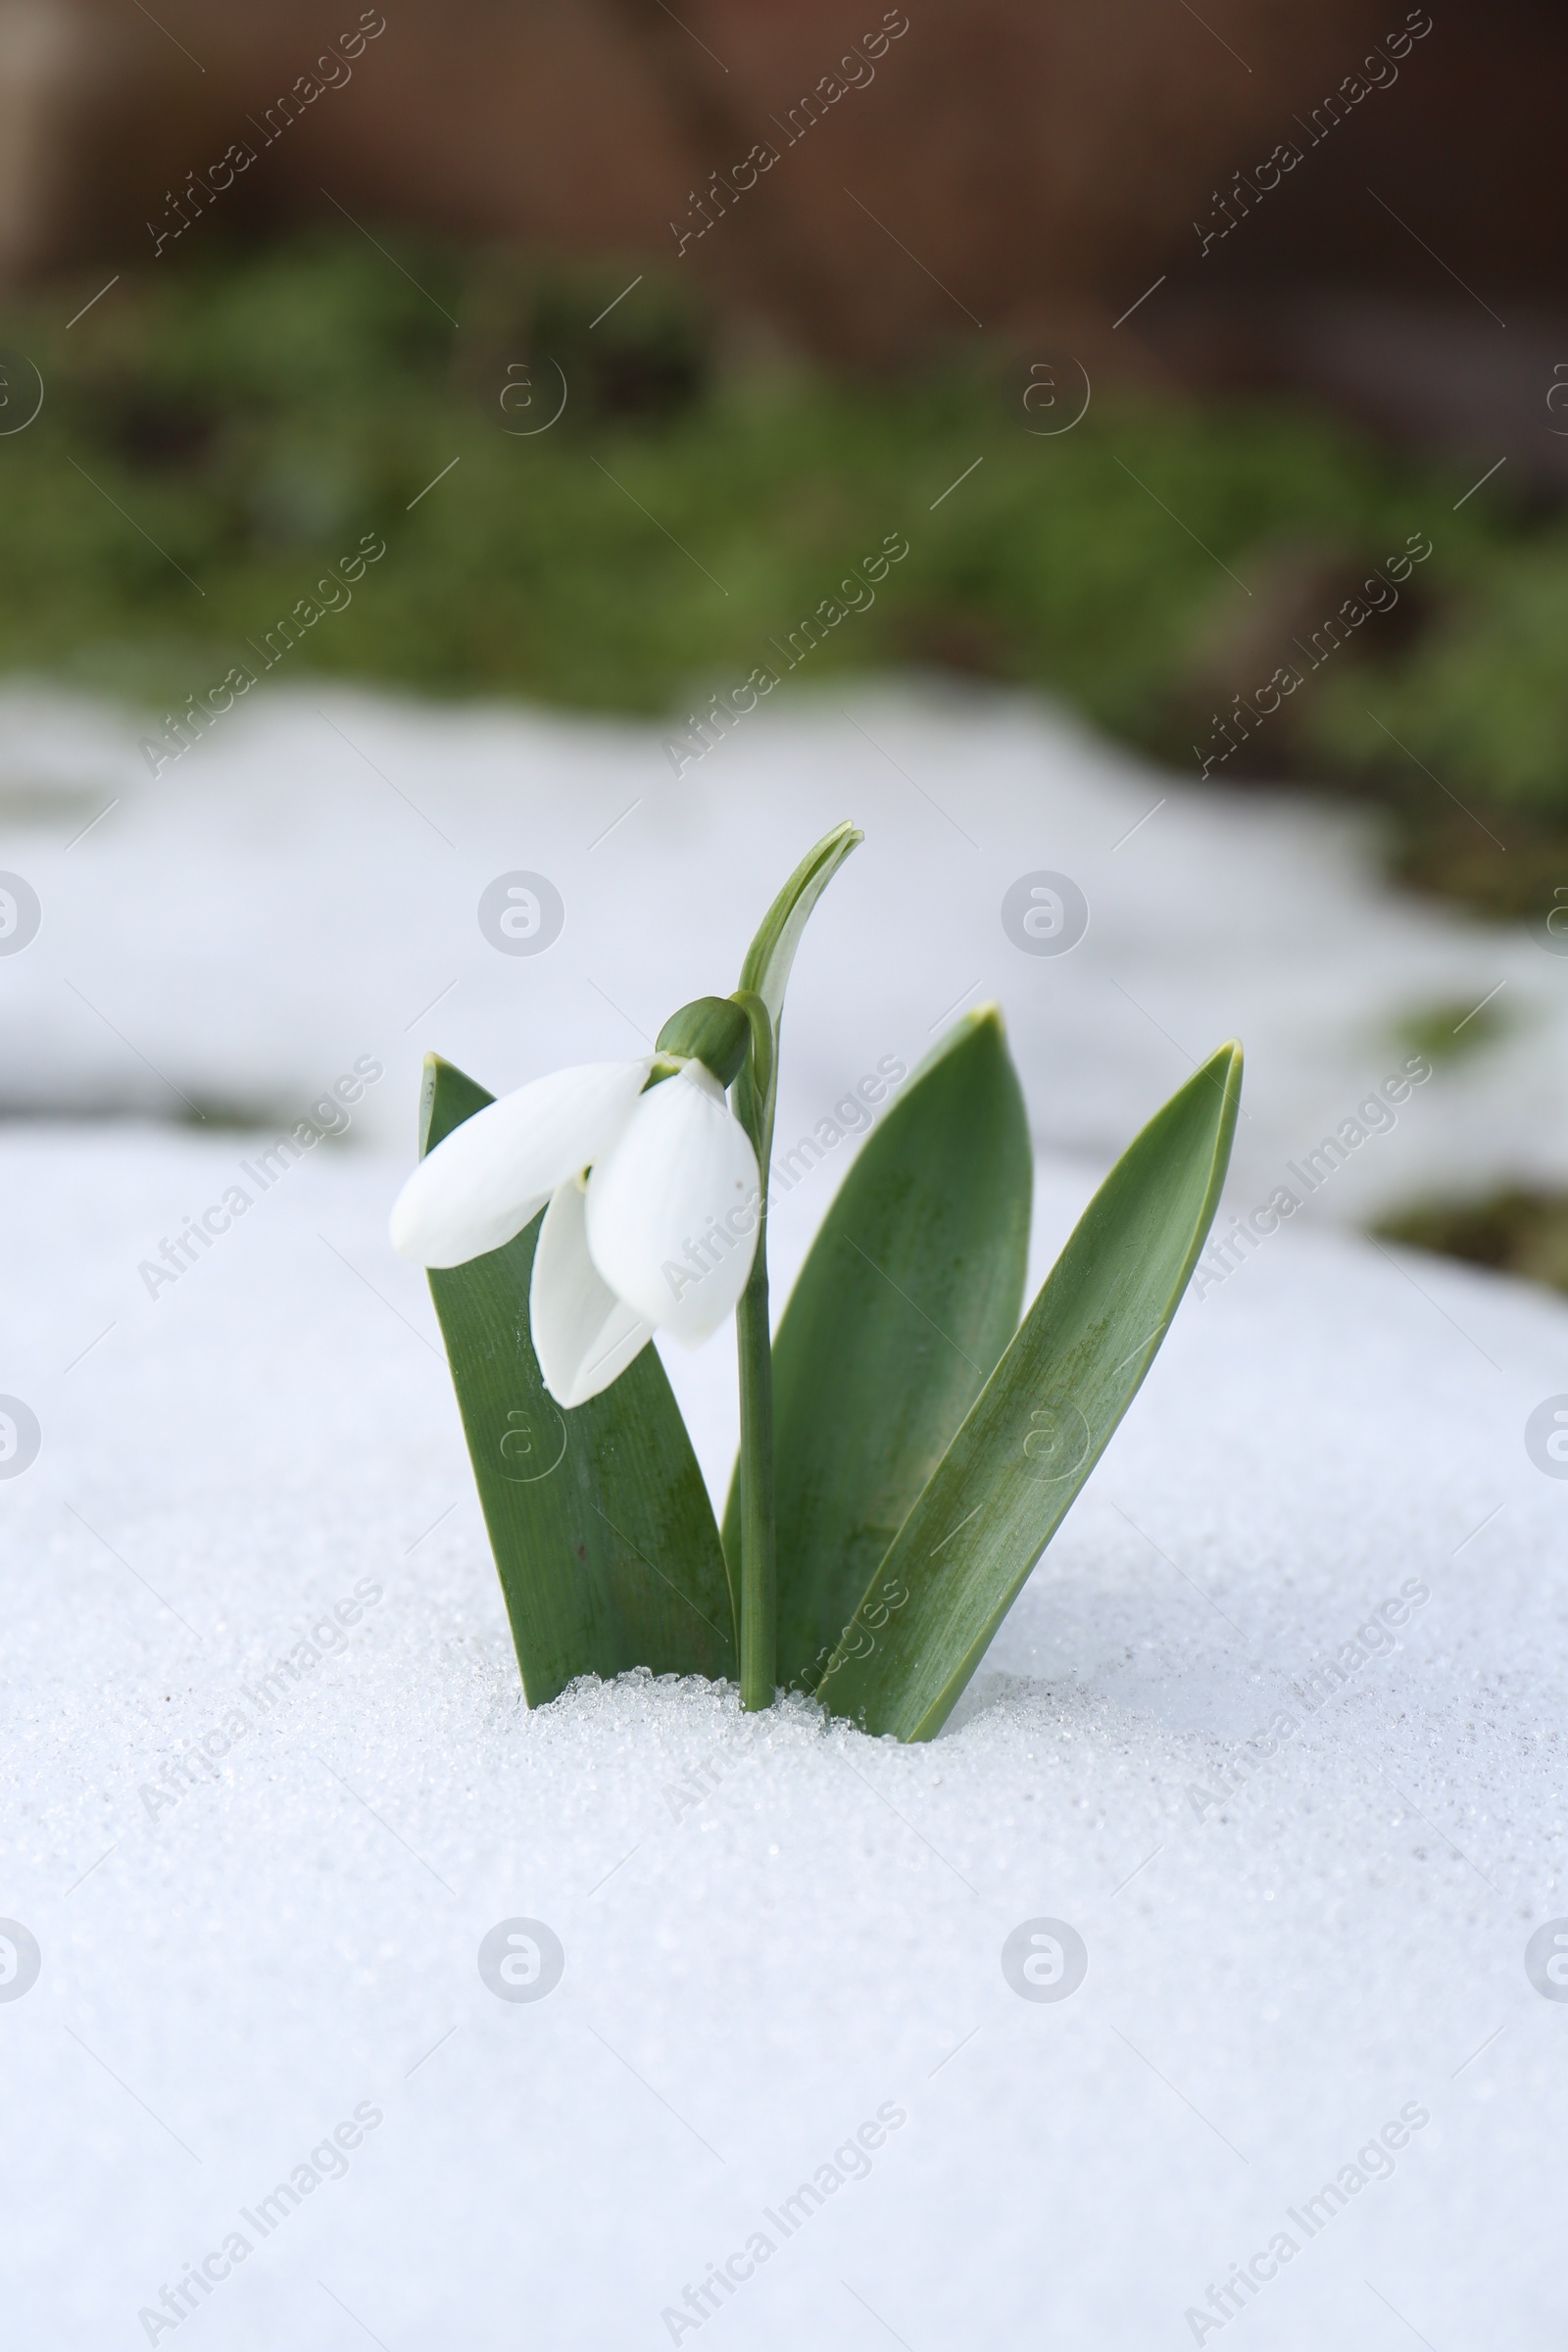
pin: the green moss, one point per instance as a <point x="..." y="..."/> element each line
<point x="222" y="428"/>
<point x="1522" y="1233"/>
<point x="1483" y="699"/>
<point x="1452" y="1030"/>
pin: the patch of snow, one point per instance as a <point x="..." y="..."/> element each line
<point x="782" y="1942"/>
<point x="302" y="890"/>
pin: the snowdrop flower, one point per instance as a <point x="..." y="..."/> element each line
<point x="650" y="1195"/>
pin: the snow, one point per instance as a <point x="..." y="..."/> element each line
<point x="303" y="889"/>
<point x="774" y="1930"/>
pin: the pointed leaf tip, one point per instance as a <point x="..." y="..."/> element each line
<point x="766" y="972"/>
<point x="1035" y="1432"/>
<point x="771" y="953"/>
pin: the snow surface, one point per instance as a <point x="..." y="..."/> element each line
<point x="302" y="888"/>
<point x="774" y="1928"/>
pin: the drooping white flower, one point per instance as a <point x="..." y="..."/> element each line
<point x="652" y="1213"/>
<point x="583" y="1334"/>
<point x="672" y="1206"/>
<point x="491" y="1176"/>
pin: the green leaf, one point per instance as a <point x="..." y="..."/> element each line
<point x="768" y="958"/>
<point x="766" y="970"/>
<point x="1041" y="1422"/>
<point x="598" y="1520"/>
<point x="909" y="1295"/>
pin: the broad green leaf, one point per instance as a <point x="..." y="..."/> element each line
<point x="909" y="1295"/>
<point x="598" y="1520"/>
<point x="1041" y="1422"/>
<point x="766" y="970"/>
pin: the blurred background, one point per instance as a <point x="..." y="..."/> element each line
<point x="1237" y="339"/>
<point x="483" y="487"/>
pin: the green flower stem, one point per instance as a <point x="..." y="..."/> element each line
<point x="758" y="1564"/>
<point x="759" y="1540"/>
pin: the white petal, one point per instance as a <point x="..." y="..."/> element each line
<point x="491" y="1175"/>
<point x="583" y="1334"/>
<point x="672" y="1206"/>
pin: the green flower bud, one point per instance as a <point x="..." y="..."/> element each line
<point x="712" y="1030"/>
